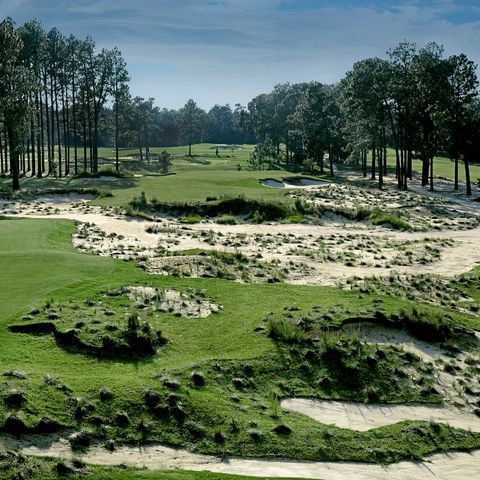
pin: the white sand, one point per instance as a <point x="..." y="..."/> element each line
<point x="360" y="416"/>
<point x="452" y="466"/>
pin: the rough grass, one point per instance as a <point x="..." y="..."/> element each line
<point x="390" y="220"/>
<point x="257" y="210"/>
<point x="13" y="466"/>
<point x="240" y="364"/>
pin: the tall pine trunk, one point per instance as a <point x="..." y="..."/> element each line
<point x="467" y="175"/>
<point x="14" y="144"/>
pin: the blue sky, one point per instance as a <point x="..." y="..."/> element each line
<point x="227" y="51"/>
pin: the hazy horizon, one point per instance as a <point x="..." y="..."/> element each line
<point x="228" y="51"/>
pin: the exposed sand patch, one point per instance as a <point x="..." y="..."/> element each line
<point x="306" y="254"/>
<point x="270" y="183"/>
<point x="362" y="417"/>
<point x="172" y="301"/>
<point x="450" y="381"/>
<point x="373" y="333"/>
<point x="105" y="178"/>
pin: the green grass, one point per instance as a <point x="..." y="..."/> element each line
<point x="245" y="370"/>
<point x="235" y="412"/>
<point x="191" y="182"/>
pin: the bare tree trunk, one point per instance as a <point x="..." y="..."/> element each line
<point x="32" y="140"/>
<point x="456" y="172"/>
<point x="52" y="119"/>
<point x="2" y="169"/>
<point x="374" y="159"/>
<point x="66" y="129"/>
<point x="431" y="174"/>
<point x="47" y="121"/>
<point x="117" y="133"/>
<point x="14" y="145"/>
<point x="425" y="167"/>
<point x="74" y="119"/>
<point x="364" y="161"/>
<point x="380" y="168"/>
<point x="385" y="152"/>
<point x="40" y="153"/>
<point x="57" y="116"/>
<point x="467" y="175"/>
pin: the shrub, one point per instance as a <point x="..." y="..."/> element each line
<point x="282" y="429"/>
<point x="362" y="213"/>
<point x="198" y="379"/>
<point x="133" y="322"/>
<point x="15" y="425"/>
<point x="255" y="434"/>
<point x="80" y="439"/>
<point x="122" y="419"/>
<point x="303" y="208"/>
<point x="219" y="438"/>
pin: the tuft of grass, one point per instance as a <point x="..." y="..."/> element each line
<point x="283" y="330"/>
<point x="226" y="220"/>
<point x="391" y="220"/>
<point x="192" y="219"/>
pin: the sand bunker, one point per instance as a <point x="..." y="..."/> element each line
<point x="452" y="466"/>
<point x="222" y="148"/>
<point x="105" y="178"/>
<point x="307" y="254"/>
<point x="359" y="416"/>
<point x="294" y="183"/>
<point x="65" y="198"/>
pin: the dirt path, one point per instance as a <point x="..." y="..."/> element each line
<point x="451" y="466"/>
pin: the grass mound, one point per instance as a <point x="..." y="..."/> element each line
<point x="87" y="329"/>
<point x="256" y="210"/>
<point x="428" y="325"/>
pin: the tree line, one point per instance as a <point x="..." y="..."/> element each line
<point x="416" y="101"/>
<point x="61" y="99"/>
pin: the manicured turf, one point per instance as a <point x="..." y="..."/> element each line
<point x="190" y="182"/>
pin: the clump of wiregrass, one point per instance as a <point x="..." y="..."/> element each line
<point x="390" y="220"/>
<point x="285" y="330"/>
<point x="100" y="173"/>
<point x="191" y="219"/>
<point x="226" y="220"/>
<point x="427" y="325"/>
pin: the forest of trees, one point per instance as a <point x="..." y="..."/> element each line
<point x="61" y="99"/>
